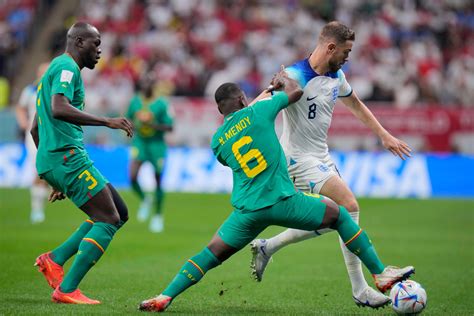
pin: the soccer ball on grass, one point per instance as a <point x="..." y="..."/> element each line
<point x="408" y="297"/>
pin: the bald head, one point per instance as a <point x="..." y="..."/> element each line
<point x="81" y="29"/>
<point x="230" y="98"/>
<point x="83" y="40"/>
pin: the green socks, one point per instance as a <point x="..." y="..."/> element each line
<point x="91" y="248"/>
<point x="358" y="242"/>
<point x="192" y="271"/>
<point x="69" y="248"/>
<point x="158" y="199"/>
<point x="138" y="189"/>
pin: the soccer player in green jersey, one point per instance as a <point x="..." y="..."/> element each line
<point x="263" y="193"/>
<point x="151" y="118"/>
<point x="64" y="163"/>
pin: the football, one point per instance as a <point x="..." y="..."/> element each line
<point x="408" y="297"/>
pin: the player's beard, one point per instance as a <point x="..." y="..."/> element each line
<point x="334" y="66"/>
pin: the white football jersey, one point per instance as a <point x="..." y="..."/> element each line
<point x="306" y="122"/>
<point x="28" y="100"/>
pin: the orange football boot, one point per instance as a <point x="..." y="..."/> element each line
<point x="75" y="297"/>
<point x="156" y="304"/>
<point x="52" y="271"/>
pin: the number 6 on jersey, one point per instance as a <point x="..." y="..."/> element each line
<point x="244" y="159"/>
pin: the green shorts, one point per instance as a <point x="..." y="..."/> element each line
<point x="77" y="178"/>
<point x="152" y="151"/>
<point x="301" y="211"/>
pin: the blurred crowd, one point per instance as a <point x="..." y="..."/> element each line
<point x="16" y="18"/>
<point x="406" y="52"/>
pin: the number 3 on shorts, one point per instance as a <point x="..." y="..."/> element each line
<point x="90" y="178"/>
<point x="243" y="160"/>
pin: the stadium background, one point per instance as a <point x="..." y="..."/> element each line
<point x="412" y="63"/>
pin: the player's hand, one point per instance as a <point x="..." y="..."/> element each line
<point x="56" y="195"/>
<point x="278" y="80"/>
<point x="120" y="123"/>
<point x="396" y="146"/>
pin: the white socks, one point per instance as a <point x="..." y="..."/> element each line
<point x="287" y="237"/>
<point x="353" y="263"/>
<point x="38" y="197"/>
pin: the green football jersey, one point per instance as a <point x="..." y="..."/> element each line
<point x="247" y="143"/>
<point x="156" y="111"/>
<point x="58" y="139"/>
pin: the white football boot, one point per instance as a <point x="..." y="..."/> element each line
<point x="391" y="275"/>
<point x="37" y="216"/>
<point x="371" y="298"/>
<point x="156" y="224"/>
<point x="260" y="258"/>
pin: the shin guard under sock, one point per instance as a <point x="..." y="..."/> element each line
<point x="91" y="248"/>
<point x="69" y="248"/>
<point x="357" y="241"/>
<point x="191" y="272"/>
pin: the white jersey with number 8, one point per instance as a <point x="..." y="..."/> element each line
<point x="306" y="122"/>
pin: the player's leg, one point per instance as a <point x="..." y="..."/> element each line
<point x="50" y="264"/>
<point x="310" y="213"/>
<point x="120" y="205"/>
<point x="236" y="232"/>
<point x="358" y="242"/>
<point x="339" y="192"/>
<point x="156" y="223"/>
<point x="145" y="201"/>
<point x="39" y="189"/>
<point x="101" y="209"/>
<point x="39" y="193"/>
<point x="134" y="169"/>
<point x="309" y="175"/>
<point x="89" y="190"/>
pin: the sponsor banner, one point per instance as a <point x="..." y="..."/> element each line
<point x="436" y="127"/>
<point x="196" y="170"/>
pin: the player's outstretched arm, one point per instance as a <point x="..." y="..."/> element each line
<point x="64" y="111"/>
<point x="391" y="143"/>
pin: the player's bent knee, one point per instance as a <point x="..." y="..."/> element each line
<point x="352" y="206"/>
<point x="123" y="214"/>
<point x="331" y="214"/>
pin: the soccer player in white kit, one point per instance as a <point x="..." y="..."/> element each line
<point x="304" y="140"/>
<point x="25" y="113"/>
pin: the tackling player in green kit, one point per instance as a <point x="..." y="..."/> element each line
<point x="151" y="118"/>
<point x="263" y="193"/>
<point x="63" y="162"/>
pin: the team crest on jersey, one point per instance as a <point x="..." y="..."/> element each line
<point x="323" y="168"/>
<point x="335" y="92"/>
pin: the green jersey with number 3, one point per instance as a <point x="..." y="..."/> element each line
<point x="58" y="139"/>
<point x="247" y="143"/>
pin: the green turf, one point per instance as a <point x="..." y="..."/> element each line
<point x="436" y="236"/>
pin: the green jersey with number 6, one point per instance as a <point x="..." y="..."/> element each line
<point x="247" y="143"/>
<point x="59" y="139"/>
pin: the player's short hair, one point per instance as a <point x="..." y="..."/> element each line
<point x="337" y="31"/>
<point x="227" y="90"/>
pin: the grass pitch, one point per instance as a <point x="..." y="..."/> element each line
<point x="309" y="278"/>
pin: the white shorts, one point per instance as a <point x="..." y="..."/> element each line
<point x="310" y="174"/>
